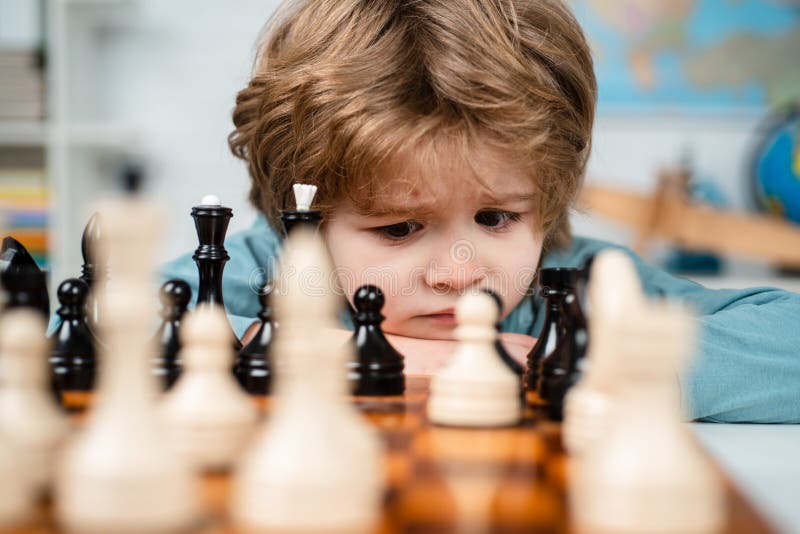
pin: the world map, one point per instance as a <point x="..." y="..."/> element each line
<point x="693" y="55"/>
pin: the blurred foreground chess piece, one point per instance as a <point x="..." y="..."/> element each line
<point x="644" y="464"/>
<point x="24" y="282"/>
<point x="175" y="296"/>
<point x="614" y="293"/>
<point x="377" y="369"/>
<point x="512" y="364"/>
<point x="670" y="214"/>
<point x="475" y="388"/>
<point x="117" y="475"/>
<point x="211" y="220"/>
<point x="315" y="466"/>
<point x="29" y="416"/>
<point x="207" y="417"/>
<point x="253" y="367"/>
<point x="72" y="358"/>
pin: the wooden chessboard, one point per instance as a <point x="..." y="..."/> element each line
<point x="441" y="479"/>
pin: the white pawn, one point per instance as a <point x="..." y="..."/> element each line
<point x="29" y="416"/>
<point x="475" y="388"/>
<point x="206" y="416"/>
<point x="315" y="467"/>
<point x="117" y="475"/>
<point x="645" y="473"/>
<point x="614" y="292"/>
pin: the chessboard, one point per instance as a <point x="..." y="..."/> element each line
<point x="448" y="479"/>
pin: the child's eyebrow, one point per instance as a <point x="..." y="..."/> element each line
<point x="397" y="211"/>
<point x="509" y="197"/>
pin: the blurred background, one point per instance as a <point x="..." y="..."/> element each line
<point x="698" y="109"/>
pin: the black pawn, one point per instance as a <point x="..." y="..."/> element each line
<point x="253" y="367"/>
<point x="175" y="296"/>
<point x="378" y="368"/>
<point x="559" y="369"/>
<point x="510" y="362"/>
<point x="211" y="222"/>
<point x="554" y="286"/>
<point x="24" y="282"/>
<point x="94" y="270"/>
<point x="73" y="356"/>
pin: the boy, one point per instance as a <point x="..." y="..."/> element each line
<point x="448" y="139"/>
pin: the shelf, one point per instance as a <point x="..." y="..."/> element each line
<point x="22" y="133"/>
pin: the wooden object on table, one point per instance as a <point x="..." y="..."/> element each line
<point x="671" y="215"/>
<point x="29" y="417"/>
<point x="207" y="418"/>
<point x="476" y="387"/>
<point x="118" y="475"/>
<point x="315" y="466"/>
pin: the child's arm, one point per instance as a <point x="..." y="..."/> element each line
<point x="747" y="362"/>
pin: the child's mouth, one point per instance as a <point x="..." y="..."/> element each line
<point x="444" y="317"/>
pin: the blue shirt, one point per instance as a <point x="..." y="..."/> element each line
<point x="747" y="365"/>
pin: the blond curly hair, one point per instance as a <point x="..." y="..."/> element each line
<point x="340" y="87"/>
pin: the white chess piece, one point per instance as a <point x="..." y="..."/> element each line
<point x="475" y="388"/>
<point x="118" y="475"/>
<point x="614" y="291"/>
<point x="644" y="473"/>
<point x="29" y="416"/>
<point x="17" y="494"/>
<point x="207" y="417"/>
<point x="316" y="464"/>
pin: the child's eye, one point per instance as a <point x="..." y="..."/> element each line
<point x="399" y="231"/>
<point x="496" y="218"/>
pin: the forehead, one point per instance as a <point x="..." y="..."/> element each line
<point x="438" y="174"/>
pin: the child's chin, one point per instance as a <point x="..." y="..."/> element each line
<point x="423" y="328"/>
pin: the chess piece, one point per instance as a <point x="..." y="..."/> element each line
<point x="117" y="475"/>
<point x="512" y="364"/>
<point x="211" y="222"/>
<point x="613" y="292"/>
<point x="94" y="270"/>
<point x="302" y="215"/>
<point x="253" y="367"/>
<point x="175" y="296"/>
<point x="559" y="369"/>
<point x="207" y="417"/>
<point x="644" y="466"/>
<point x="72" y="357"/>
<point x="475" y="388"/>
<point x="29" y="416"/>
<point x="315" y="466"/>
<point x="17" y="495"/>
<point x="22" y="279"/>
<point x="554" y="283"/>
<point x="378" y="367"/>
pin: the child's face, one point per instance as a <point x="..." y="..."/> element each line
<point x="439" y="239"/>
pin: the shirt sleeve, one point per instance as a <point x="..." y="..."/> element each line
<point x="253" y="260"/>
<point x="747" y="359"/>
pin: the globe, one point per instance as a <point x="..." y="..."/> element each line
<point x="776" y="165"/>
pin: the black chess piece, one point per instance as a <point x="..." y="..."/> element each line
<point x="24" y="282"/>
<point x="211" y="222"/>
<point x="73" y="356"/>
<point x="378" y="367"/>
<point x="559" y="370"/>
<point x="554" y="286"/>
<point x="94" y="270"/>
<point x="253" y="367"/>
<point x="510" y="362"/>
<point x="175" y="296"/>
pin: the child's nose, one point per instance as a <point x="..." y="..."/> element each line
<point x="456" y="270"/>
